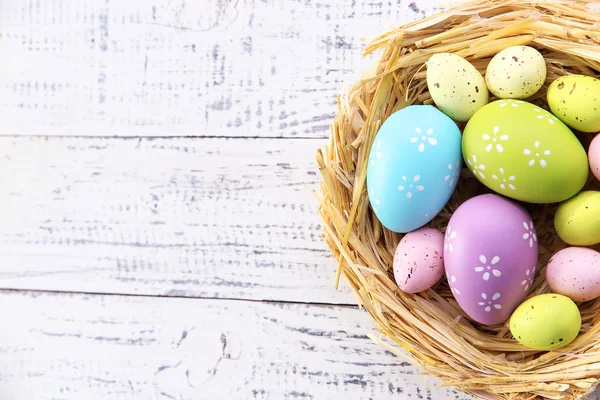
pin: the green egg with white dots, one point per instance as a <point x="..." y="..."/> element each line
<point x="522" y="151"/>
<point x="546" y="322"/>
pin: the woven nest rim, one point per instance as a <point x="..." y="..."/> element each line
<point x="429" y="328"/>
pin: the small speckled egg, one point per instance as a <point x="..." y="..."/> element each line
<point x="575" y="273"/>
<point x="516" y="72"/>
<point x="594" y="156"/>
<point x="419" y="260"/>
<point x="490" y="254"/>
<point x="546" y="322"/>
<point x="577" y="220"/>
<point x="413" y="167"/>
<point x="456" y="86"/>
<point x="575" y="99"/>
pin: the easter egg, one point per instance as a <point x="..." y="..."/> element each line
<point x="575" y="99"/>
<point x="490" y="254"/>
<point x="546" y="322"/>
<point x="419" y="260"/>
<point x="523" y="152"/>
<point x="594" y="156"/>
<point x="456" y="86"/>
<point x="577" y="220"/>
<point x="575" y="273"/>
<point x="413" y="167"/>
<point x="516" y="72"/>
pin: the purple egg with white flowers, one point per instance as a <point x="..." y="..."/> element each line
<point x="490" y="254"/>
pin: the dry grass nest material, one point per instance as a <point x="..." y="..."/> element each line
<point x="430" y="327"/>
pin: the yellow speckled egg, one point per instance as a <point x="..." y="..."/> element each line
<point x="516" y="72"/>
<point x="456" y="86"/>
<point x="575" y="99"/>
<point x="546" y="322"/>
<point x="577" y="220"/>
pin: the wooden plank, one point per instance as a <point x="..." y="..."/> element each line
<point x="180" y="67"/>
<point x="222" y="218"/>
<point x="97" y="347"/>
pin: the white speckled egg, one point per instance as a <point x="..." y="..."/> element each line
<point x="517" y="72"/>
<point x="419" y="260"/>
<point x="456" y="86"/>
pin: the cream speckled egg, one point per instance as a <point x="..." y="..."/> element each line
<point x="516" y="72"/>
<point x="456" y="86"/>
<point x="419" y="260"/>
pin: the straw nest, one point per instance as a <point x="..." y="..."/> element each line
<point x="430" y="326"/>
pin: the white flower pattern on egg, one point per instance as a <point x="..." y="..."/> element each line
<point x="513" y="103"/>
<point x="450" y="235"/>
<point x="454" y="173"/>
<point x="452" y="288"/>
<point x="377" y="154"/>
<point x="529" y="233"/>
<point x="536" y="154"/>
<point x="409" y="186"/>
<point x="425" y="138"/>
<point x="488" y="268"/>
<point x="494" y="140"/>
<point x="541" y="114"/>
<point x="506" y="181"/>
<point x="373" y="199"/>
<point x="489" y="303"/>
<point x="529" y="276"/>
<point x="476" y="168"/>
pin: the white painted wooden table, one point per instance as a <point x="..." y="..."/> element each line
<point x="156" y="237"/>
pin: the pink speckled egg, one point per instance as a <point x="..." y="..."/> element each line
<point x="575" y="273"/>
<point x="419" y="260"/>
<point x="490" y="254"/>
<point x="594" y="156"/>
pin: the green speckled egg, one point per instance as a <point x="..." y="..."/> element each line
<point x="523" y="152"/>
<point x="577" y="220"/>
<point x="546" y="322"/>
<point x="575" y="99"/>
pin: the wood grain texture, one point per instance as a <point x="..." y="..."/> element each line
<point x="99" y="347"/>
<point x="218" y="218"/>
<point x="229" y="68"/>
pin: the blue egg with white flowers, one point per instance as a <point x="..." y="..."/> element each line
<point x="414" y="167"/>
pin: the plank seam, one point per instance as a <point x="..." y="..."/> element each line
<point x="137" y="295"/>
